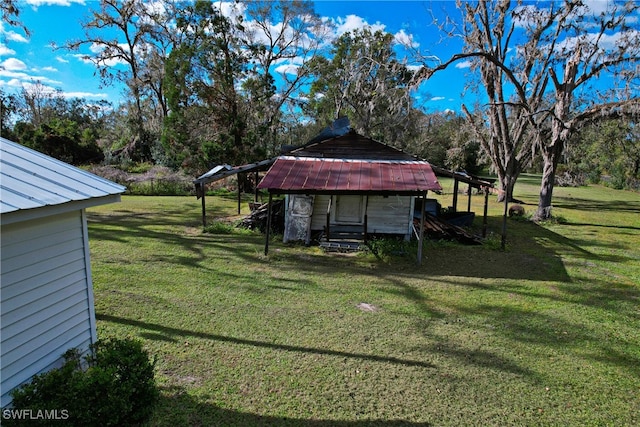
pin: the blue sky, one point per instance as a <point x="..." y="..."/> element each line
<point x="26" y="60"/>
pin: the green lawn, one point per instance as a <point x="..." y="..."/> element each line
<point x="545" y="333"/>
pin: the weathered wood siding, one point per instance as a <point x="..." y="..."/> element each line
<point x="46" y="295"/>
<point x="386" y="215"/>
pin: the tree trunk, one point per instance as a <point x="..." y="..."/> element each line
<point x="551" y="157"/>
<point x="507" y="184"/>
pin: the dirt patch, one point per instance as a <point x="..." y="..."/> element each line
<point x="369" y="308"/>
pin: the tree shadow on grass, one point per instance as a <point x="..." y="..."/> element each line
<point x="596" y="205"/>
<point x="165" y="333"/>
<point x="178" y="407"/>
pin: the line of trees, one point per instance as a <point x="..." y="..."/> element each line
<point x="210" y="83"/>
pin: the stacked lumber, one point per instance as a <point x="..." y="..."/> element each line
<point x="436" y="228"/>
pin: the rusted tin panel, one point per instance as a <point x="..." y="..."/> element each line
<point x="327" y="175"/>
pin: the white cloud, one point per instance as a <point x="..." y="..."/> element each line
<point x="463" y="64"/>
<point x="597" y="6"/>
<point x="401" y="37"/>
<point x="85" y="95"/>
<point x="354" y="22"/>
<point x="13" y="64"/>
<point x="287" y="69"/>
<point x="96" y="49"/>
<point x="415" y="68"/>
<point x="4" y="50"/>
<point x="20" y="76"/>
<point x="38" y="3"/>
<point x="12" y="83"/>
<point x="231" y="9"/>
<point x="12" y="36"/>
<point x="438" y="98"/>
<point x="50" y="69"/>
<point x="61" y="59"/>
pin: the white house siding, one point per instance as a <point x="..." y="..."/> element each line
<point x="385" y="215"/>
<point x="46" y="295"/>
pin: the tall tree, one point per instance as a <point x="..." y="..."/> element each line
<point x="8" y="108"/>
<point x="128" y="41"/>
<point x="207" y="120"/>
<point x="548" y="61"/>
<point x="282" y="36"/>
<point x="609" y="148"/>
<point x="364" y="80"/>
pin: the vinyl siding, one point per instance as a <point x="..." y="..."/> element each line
<point x="385" y="215"/>
<point x="46" y="296"/>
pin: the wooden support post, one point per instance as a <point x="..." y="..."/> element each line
<point x="328" y="227"/>
<point x="239" y="197"/>
<point x="469" y="200"/>
<point x="204" y="208"/>
<point x="366" y="208"/>
<point x="255" y="194"/>
<point x="455" y="194"/>
<point x="422" y="218"/>
<point x="268" y="233"/>
<point x="484" y="217"/>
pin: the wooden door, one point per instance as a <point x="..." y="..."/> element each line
<point x="298" y="218"/>
<point x="349" y="210"/>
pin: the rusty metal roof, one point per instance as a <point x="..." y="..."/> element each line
<point x="333" y="176"/>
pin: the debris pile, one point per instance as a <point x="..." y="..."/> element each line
<point x="436" y="228"/>
<point x="257" y="219"/>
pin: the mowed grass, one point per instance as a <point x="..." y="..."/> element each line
<point x="544" y="333"/>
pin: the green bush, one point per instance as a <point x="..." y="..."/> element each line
<point x="113" y="385"/>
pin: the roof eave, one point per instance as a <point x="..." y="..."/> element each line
<point x="22" y="215"/>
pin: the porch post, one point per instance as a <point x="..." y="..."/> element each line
<point x="455" y="194"/>
<point x="255" y="194"/>
<point x="366" y="208"/>
<point x="239" y="194"/>
<point x="268" y="233"/>
<point x="329" y="217"/>
<point x="484" y="217"/>
<point x="422" y="218"/>
<point x="469" y="200"/>
<point x="201" y="191"/>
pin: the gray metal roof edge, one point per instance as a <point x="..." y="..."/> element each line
<point x="22" y="215"/>
<point x="117" y="187"/>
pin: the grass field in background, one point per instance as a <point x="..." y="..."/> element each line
<point x="544" y="333"/>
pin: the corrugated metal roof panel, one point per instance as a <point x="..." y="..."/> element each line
<point x="29" y="179"/>
<point x="316" y="175"/>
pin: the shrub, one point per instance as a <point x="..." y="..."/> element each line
<point x="113" y="385"/>
<point x="389" y="247"/>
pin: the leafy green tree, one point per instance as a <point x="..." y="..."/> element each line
<point x="208" y="117"/>
<point x="129" y="40"/>
<point x="364" y="80"/>
<point x="8" y="109"/>
<point x="67" y="129"/>
<point x="282" y="37"/>
<point x="607" y="150"/>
